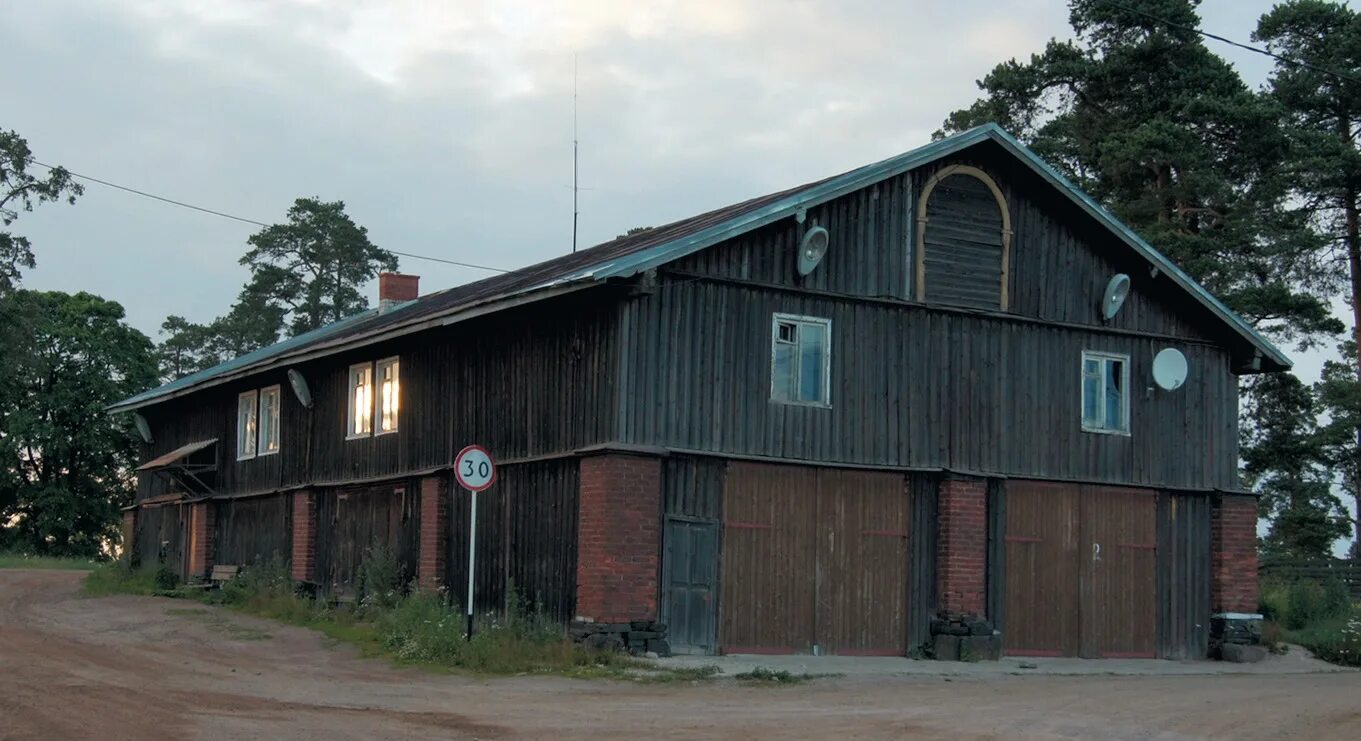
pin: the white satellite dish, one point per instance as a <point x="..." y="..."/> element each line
<point x="143" y="427"/>
<point x="300" y="389"/>
<point x="1169" y="369"/>
<point x="812" y="248"/>
<point x="1117" y="290"/>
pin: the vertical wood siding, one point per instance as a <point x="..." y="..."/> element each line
<point x="1183" y="576"/>
<point x="162" y="535"/>
<point x="921" y="601"/>
<point x="526" y="536"/>
<point x="532" y="381"/>
<point x="353" y="520"/>
<point x="253" y="530"/>
<point x="915" y="387"/>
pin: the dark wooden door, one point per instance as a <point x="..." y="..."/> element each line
<point x="1080" y="571"/>
<point x="1119" y="611"/>
<point x="1042" y="569"/>
<point x="814" y="558"/>
<point x="862" y="563"/>
<point x="690" y="571"/>
<point x="769" y="526"/>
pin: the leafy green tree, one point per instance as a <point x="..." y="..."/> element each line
<point x="1144" y="117"/>
<point x="20" y="190"/>
<point x="1339" y="394"/>
<point x="1286" y="460"/>
<point x="65" y="464"/>
<point x="313" y="267"/>
<point x="1322" y="117"/>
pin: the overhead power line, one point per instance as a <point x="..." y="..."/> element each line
<point x="1231" y="42"/>
<point x="244" y="220"/>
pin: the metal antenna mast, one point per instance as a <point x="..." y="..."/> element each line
<point x="575" y="212"/>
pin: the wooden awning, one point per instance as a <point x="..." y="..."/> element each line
<point x="177" y="455"/>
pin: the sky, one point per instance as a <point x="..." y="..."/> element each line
<point x="447" y="127"/>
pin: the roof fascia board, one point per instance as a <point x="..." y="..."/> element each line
<point x="519" y="298"/>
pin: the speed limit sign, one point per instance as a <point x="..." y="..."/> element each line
<point x="475" y="471"/>
<point x="474" y="468"/>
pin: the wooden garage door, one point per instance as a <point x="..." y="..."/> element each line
<point x="814" y="557"/>
<point x="1080" y="570"/>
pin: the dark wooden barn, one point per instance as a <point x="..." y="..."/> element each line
<point x="946" y="389"/>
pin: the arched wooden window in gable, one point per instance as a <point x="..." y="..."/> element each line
<point x="963" y="239"/>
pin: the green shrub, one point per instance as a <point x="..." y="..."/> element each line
<point x="1338" y="642"/>
<point x="378" y="580"/>
<point x="1274" y="601"/>
<point x="265" y="580"/>
<point x="166" y="578"/>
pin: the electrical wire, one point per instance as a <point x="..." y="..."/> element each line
<point x="1231" y="42"/>
<point x="244" y="220"/>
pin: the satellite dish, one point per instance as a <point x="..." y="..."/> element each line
<point x="143" y="427"/>
<point x="812" y="248"/>
<point x="300" y="389"/>
<point x="1117" y="290"/>
<point x="1169" y="369"/>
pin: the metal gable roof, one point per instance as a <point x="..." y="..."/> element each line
<point x="636" y="253"/>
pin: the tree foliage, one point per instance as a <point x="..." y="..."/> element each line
<point x="305" y="273"/>
<point x="1140" y="114"/>
<point x="66" y="463"/>
<point x="1321" y="115"/>
<point x="20" y="191"/>
<point x="313" y="266"/>
<point x="1287" y="459"/>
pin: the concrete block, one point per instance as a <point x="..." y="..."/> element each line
<point x="1238" y="653"/>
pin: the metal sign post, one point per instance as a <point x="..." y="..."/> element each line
<point x="475" y="471"/>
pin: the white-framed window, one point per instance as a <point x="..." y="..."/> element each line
<point x="801" y="360"/>
<point x="246" y="424"/>
<point x="360" y="419"/>
<point x="389" y="394"/>
<point x="1105" y="392"/>
<point x="269" y="420"/>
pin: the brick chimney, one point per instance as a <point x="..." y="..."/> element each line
<point x="397" y="288"/>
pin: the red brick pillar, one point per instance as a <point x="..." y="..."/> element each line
<point x="200" y="538"/>
<point x="129" y="534"/>
<point x="1233" y="553"/>
<point x="962" y="546"/>
<point x="434" y="531"/>
<point x="304" y="535"/>
<point x="618" y="537"/>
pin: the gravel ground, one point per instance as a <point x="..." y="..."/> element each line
<point x="135" y="667"/>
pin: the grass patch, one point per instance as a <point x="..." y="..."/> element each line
<point x="419" y="627"/>
<point x="762" y="675"/>
<point x="1317" y="614"/>
<point x="16" y="560"/>
<point x="115" y="578"/>
<point x="1336" y="641"/>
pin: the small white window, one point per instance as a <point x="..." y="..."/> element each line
<point x="389" y="395"/>
<point x="269" y="420"/>
<point x="1105" y="392"/>
<point x="360" y="422"/>
<point x="800" y="360"/>
<point x="246" y="424"/>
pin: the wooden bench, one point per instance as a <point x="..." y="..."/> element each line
<point x="221" y="574"/>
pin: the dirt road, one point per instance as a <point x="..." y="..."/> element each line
<point x="130" y="667"/>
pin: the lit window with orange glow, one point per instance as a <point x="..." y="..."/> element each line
<point x="389" y="395"/>
<point x="360" y="422"/>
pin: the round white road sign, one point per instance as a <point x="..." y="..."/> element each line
<point x="474" y="469"/>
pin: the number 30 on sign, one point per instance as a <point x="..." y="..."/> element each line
<point x="474" y="469"/>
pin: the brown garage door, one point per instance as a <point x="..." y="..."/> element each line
<point x="1080" y="570"/>
<point x="813" y="557"/>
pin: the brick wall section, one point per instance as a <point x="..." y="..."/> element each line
<point x="201" y="538"/>
<point x="618" y="537"/>
<point x="304" y="535"/>
<point x="129" y="534"/>
<point x="962" y="546"/>
<point x="434" y="531"/>
<point x="1233" y="553"/>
